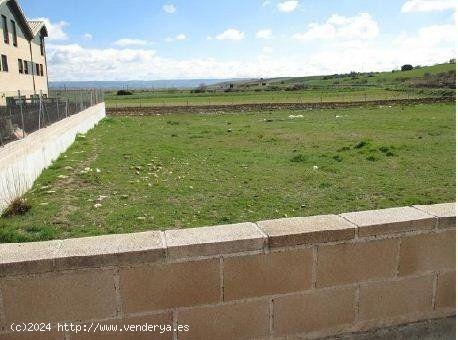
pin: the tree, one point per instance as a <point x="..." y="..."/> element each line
<point x="124" y="93"/>
<point x="201" y="89"/>
<point x="407" y="67"/>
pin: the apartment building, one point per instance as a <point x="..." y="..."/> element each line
<point x="22" y="53"/>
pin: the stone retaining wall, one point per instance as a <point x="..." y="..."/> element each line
<point x="22" y="161"/>
<point x="311" y="276"/>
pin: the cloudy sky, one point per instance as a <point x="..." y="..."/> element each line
<point x="161" y="39"/>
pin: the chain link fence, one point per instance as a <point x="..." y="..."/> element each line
<point x="22" y="116"/>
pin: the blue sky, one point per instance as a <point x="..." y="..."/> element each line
<point x="155" y="39"/>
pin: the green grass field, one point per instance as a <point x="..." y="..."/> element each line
<point x="179" y="171"/>
<point x="165" y="98"/>
<point x="337" y="88"/>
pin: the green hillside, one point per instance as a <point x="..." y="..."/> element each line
<point x="436" y="76"/>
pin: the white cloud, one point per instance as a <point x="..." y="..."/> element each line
<point x="361" y="27"/>
<point x="130" y="42"/>
<point x="264" y="34"/>
<point x="265" y="3"/>
<point x="288" y="6"/>
<point x="55" y="29"/>
<point x="231" y="34"/>
<point x="169" y="8"/>
<point x="428" y="5"/>
<point x="429" y="37"/>
<point x="428" y="45"/>
<point x="352" y="43"/>
<point x="179" y="37"/>
<point x="87" y="36"/>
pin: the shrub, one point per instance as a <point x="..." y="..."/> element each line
<point x="407" y="67"/>
<point x="295" y="87"/>
<point x="337" y="158"/>
<point x="201" y="89"/>
<point x="18" y="207"/>
<point x="124" y="93"/>
<point x="299" y="159"/>
<point x="361" y="144"/>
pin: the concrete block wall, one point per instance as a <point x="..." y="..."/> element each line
<point x="302" y="277"/>
<point x="22" y="161"/>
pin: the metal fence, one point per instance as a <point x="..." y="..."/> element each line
<point x="22" y="116"/>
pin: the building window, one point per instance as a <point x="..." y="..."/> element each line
<point x="26" y="67"/>
<point x="6" y="37"/>
<point x="41" y="70"/>
<point x="4" y="63"/>
<point x="37" y="69"/>
<point x="14" y="32"/>
<point x="21" y="66"/>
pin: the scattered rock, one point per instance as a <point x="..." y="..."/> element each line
<point x="18" y="134"/>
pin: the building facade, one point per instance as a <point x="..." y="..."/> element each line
<point x="23" y="67"/>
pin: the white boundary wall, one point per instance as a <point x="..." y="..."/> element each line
<point x="22" y="161"/>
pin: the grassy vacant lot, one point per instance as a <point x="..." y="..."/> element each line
<point x="184" y="97"/>
<point x="179" y="171"/>
<point x="429" y="81"/>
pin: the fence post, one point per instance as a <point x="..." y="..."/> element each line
<point x="57" y="107"/>
<point x="40" y="110"/>
<point x="66" y="108"/>
<point x="22" y="113"/>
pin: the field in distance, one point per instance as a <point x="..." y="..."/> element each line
<point x="436" y="81"/>
<point x="190" y="170"/>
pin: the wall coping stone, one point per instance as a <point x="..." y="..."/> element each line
<point x="159" y="246"/>
<point x="207" y="241"/>
<point x="390" y="221"/>
<point x="307" y="230"/>
<point x="446" y="213"/>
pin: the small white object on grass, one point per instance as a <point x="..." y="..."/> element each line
<point x="298" y="116"/>
<point x="315" y="167"/>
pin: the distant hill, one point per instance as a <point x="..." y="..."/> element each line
<point x="138" y="84"/>
<point x="435" y="76"/>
